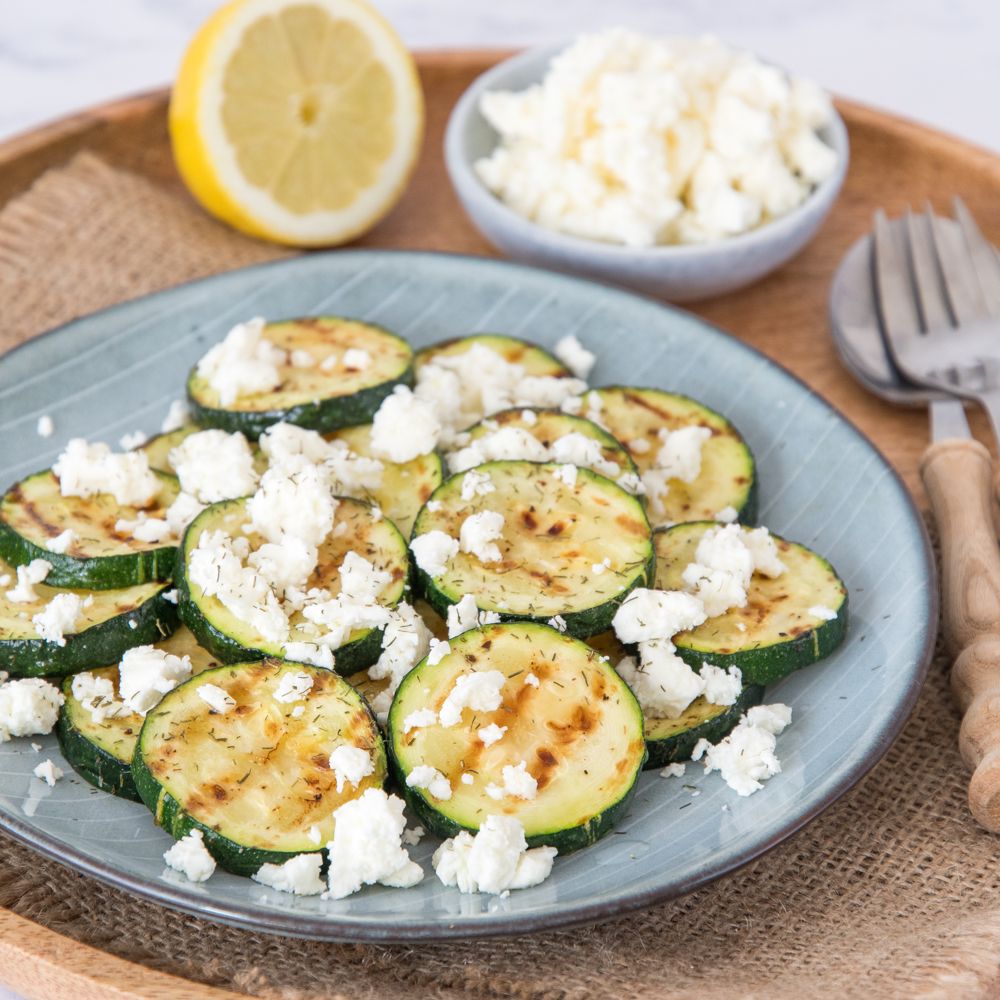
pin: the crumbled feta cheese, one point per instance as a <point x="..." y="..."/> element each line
<point x="491" y="734"/>
<point x="218" y="700"/>
<point x="479" y="690"/>
<point x="61" y="542"/>
<point x="479" y="533"/>
<point x="366" y="846"/>
<point x="418" y="718"/>
<point x="598" y="568"/>
<point x="245" y="362"/>
<point x="405" y="641"/>
<point x="438" y="651"/>
<point x="350" y="765"/>
<point x="518" y="783"/>
<point x="466" y="614"/>
<point x="213" y="465"/>
<point x="315" y="834"/>
<point x="656" y="614"/>
<point x="295" y="504"/>
<point x="764" y="551"/>
<point x="177" y="416"/>
<point x="356" y="359"/>
<point x="145" y="529"/>
<point x="27" y="576"/>
<point x="133" y="439"/>
<point x="293" y="686"/>
<point x="662" y="682"/>
<point x="433" y="550"/>
<point x="48" y="772"/>
<point x="567" y="474"/>
<point x="722" y="687"/>
<point x="579" y="449"/>
<point x="727" y="515"/>
<point x="529" y="417"/>
<point x="574" y="356"/>
<point x="299" y="875"/>
<point x="88" y="469"/>
<point x="638" y="446"/>
<point x="505" y="444"/>
<point x="680" y="452"/>
<point x="329" y="362"/>
<point x="146" y="674"/>
<point x="434" y="506"/>
<point x="313" y="653"/>
<point x="467" y="778"/>
<point x="216" y="568"/>
<point x="673" y="771"/>
<point x="45" y="428"/>
<point x="532" y="680"/>
<point x="286" y="565"/>
<point x="558" y="623"/>
<point x="496" y="860"/>
<point x="721" y="571"/>
<point x="431" y="779"/>
<point x="28" y="707"/>
<point x="190" y="857"/>
<point x="413" y="837"/>
<point x="822" y="612"/>
<point x="58" y="618"/>
<point x="404" y="427"/>
<point x="746" y="757"/>
<point x="476" y="484"/>
<point x="632" y="483"/>
<point x="96" y="695"/>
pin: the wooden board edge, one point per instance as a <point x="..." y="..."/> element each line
<point x="43" y="965"/>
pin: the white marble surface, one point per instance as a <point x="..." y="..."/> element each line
<point x="932" y="61"/>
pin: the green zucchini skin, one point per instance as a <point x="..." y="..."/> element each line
<point x="104" y="572"/>
<point x="103" y="643"/>
<point x="93" y="763"/>
<point x="320" y="415"/>
<point x="764" y="652"/>
<point x="535" y="359"/>
<point x="678" y="747"/>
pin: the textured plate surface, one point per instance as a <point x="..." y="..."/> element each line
<point x="821" y="483"/>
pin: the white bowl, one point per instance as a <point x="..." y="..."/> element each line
<point x="681" y="273"/>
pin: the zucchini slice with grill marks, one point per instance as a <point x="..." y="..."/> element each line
<point x="550" y="425"/>
<point x="34" y="511"/>
<point x="779" y="630"/>
<point x="406" y="486"/>
<point x="670" y="740"/>
<point x="534" y="359"/>
<point x="327" y="394"/>
<point x="554" y="536"/>
<point x="354" y="530"/>
<point x="728" y="474"/>
<point x="101" y="752"/>
<point x="256" y="780"/>
<point x="112" y="621"/>
<point x="579" y="733"/>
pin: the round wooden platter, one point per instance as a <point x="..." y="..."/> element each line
<point x="894" y="163"/>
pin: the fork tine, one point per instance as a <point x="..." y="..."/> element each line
<point x="926" y="274"/>
<point x="893" y="293"/>
<point x="958" y="271"/>
<point x="984" y="257"/>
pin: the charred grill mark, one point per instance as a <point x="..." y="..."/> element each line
<point x="529" y="519"/>
<point x="556" y="529"/>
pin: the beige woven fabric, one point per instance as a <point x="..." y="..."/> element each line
<point x="893" y="892"/>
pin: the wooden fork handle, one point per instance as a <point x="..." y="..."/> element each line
<point x="958" y="476"/>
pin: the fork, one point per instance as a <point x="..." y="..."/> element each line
<point x="938" y="298"/>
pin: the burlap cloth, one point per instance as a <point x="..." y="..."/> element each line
<point x="891" y="892"/>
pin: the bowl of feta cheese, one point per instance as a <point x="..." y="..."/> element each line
<point x="680" y="167"/>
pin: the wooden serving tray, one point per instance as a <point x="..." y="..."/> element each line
<point x="893" y="163"/>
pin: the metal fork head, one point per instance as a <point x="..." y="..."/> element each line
<point x="937" y="284"/>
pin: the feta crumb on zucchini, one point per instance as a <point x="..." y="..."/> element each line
<point x="224" y="391"/>
<point x="553" y="534"/>
<point x="573" y="748"/>
<point x="256" y="780"/>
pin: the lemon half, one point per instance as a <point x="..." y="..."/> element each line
<point x="298" y="121"/>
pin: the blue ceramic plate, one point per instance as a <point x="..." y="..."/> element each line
<point x="822" y="484"/>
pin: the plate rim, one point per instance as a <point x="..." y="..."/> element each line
<point x="387" y="930"/>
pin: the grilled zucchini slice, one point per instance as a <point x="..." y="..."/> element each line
<point x="549" y="425"/>
<point x="323" y="398"/>
<point x="779" y="633"/>
<point x="113" y="621"/>
<point x="101" y="752"/>
<point x="534" y="359"/>
<point x="257" y="779"/>
<point x="406" y="486"/>
<point x="553" y="537"/>
<point x="728" y="475"/>
<point x="34" y="511"/>
<point x="579" y="732"/>
<point x="233" y="641"/>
